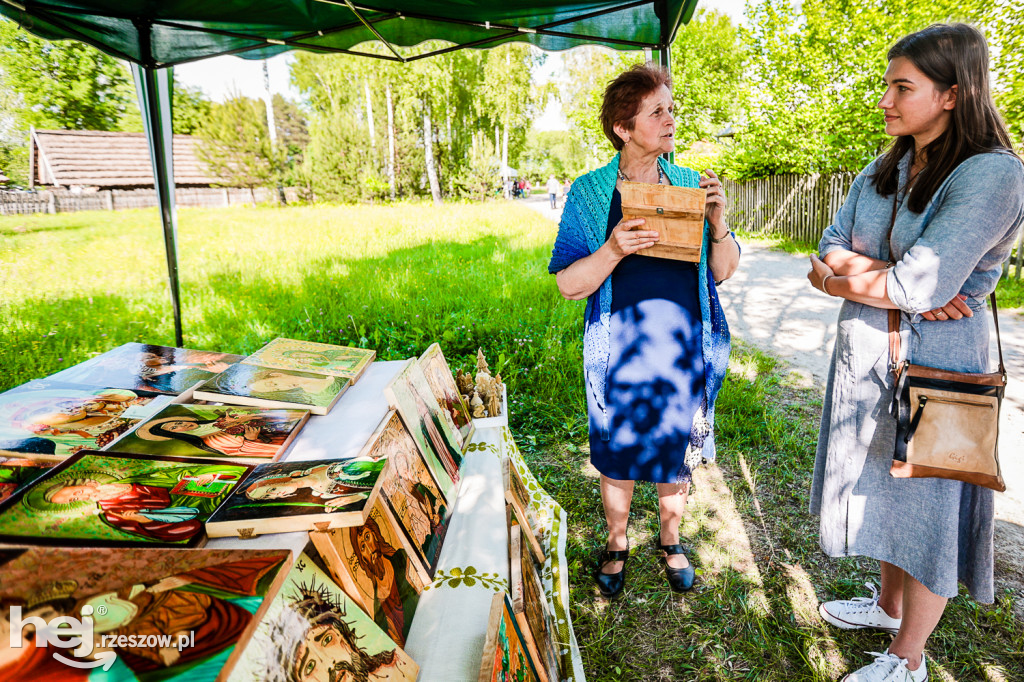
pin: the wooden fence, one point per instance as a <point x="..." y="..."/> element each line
<point x="802" y="206"/>
<point x="796" y="206"/>
<point x="63" y="201"/>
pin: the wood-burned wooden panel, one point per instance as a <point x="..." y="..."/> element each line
<point x="675" y="213"/>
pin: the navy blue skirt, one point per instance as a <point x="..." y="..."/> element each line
<point x="655" y="371"/>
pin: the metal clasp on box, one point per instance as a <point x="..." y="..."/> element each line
<point x="661" y="211"/>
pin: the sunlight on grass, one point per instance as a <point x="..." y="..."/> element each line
<point x="728" y="547"/>
<point x="994" y="673"/>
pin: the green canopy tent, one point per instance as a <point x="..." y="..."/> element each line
<point x="154" y="36"/>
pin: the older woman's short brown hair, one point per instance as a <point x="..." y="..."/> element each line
<point x="623" y="96"/>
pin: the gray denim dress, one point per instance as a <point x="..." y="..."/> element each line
<point x="938" y="531"/>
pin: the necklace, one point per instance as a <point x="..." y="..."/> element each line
<point x="625" y="178"/>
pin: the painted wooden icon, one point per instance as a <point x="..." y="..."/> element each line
<point x="410" y="490"/>
<point x="45" y="417"/>
<point x="374" y="565"/>
<point x="285" y="497"/>
<point x="533" y="614"/>
<point x="314" y="632"/>
<point x="505" y="656"/>
<point x="517" y="495"/>
<point x="107" y="499"/>
<point x="18" y="472"/>
<point x="442" y="384"/>
<point x="316" y="358"/>
<point x="203" y="604"/>
<point x="410" y="396"/>
<point x="150" y="368"/>
<point x="244" y="384"/>
<point x="240" y="434"/>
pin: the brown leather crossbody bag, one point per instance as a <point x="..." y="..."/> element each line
<point x="947" y="423"/>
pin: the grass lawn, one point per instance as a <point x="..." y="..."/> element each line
<point x="398" y="278"/>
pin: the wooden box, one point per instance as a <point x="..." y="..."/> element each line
<point x="675" y="213"/>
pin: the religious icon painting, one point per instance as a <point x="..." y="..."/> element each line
<point x="150" y="368"/>
<point x="112" y="499"/>
<point x="442" y="385"/>
<point x="238" y="434"/>
<point x="19" y="472"/>
<point x="410" y="396"/>
<point x="317" y="358"/>
<point x="534" y="617"/>
<point x="285" y="497"/>
<point x="246" y="384"/>
<point x="45" y="417"/>
<point x="518" y="495"/>
<point x="505" y="655"/>
<point x="374" y="566"/>
<point x="314" y="632"/>
<point x="156" y="614"/>
<point x="411" y="493"/>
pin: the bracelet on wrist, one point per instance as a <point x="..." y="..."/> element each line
<point x="711" y="236"/>
<point x="824" y="284"/>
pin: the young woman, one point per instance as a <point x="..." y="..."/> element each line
<point x="958" y="196"/>
<point x="655" y="340"/>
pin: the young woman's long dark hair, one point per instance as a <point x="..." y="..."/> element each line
<point x="948" y="54"/>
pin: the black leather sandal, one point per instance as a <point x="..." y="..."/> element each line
<point x="611" y="584"/>
<point x="679" y="579"/>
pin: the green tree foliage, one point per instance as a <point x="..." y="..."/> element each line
<point x="237" y="144"/>
<point x="552" y="152"/>
<point x="815" y="77"/>
<point x="452" y="91"/>
<point x="1007" y="32"/>
<point x="63" y="84"/>
<point x="189" y="111"/>
<point x="707" y="61"/>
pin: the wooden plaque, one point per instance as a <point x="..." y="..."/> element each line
<point x="675" y="213"/>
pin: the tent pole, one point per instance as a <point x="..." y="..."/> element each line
<point x="154" y="88"/>
<point x="663" y="57"/>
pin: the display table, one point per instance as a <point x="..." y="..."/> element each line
<point x="450" y="625"/>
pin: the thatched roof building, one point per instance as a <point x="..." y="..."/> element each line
<point x="106" y="160"/>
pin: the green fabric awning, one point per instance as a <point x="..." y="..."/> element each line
<point x="169" y="32"/>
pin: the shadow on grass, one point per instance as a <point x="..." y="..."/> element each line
<point x="753" y="614"/>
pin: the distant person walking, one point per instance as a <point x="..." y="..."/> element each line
<point x="566" y="186"/>
<point x="554" y="187"/>
<point x="924" y="231"/>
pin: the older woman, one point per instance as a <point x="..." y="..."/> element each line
<point x="924" y="230"/>
<point x="655" y="341"/>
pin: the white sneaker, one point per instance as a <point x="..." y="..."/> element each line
<point x="858" y="613"/>
<point x="889" y="668"/>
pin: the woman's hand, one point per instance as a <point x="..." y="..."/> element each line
<point x="626" y="240"/>
<point x="714" y="211"/>
<point x="819" y="271"/>
<point x="954" y="310"/>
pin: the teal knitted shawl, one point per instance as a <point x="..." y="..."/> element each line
<point x="581" y="232"/>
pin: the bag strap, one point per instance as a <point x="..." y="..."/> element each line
<point x="894" y="313"/>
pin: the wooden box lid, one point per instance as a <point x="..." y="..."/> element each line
<point x="675" y="213"/>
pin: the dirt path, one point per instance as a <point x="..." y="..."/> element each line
<point x="770" y="304"/>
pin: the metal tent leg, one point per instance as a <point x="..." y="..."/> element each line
<point x="154" y="89"/>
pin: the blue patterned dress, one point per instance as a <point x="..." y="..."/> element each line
<point x="655" y="368"/>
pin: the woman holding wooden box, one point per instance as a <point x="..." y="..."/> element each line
<point x="924" y="231"/>
<point x="655" y="343"/>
